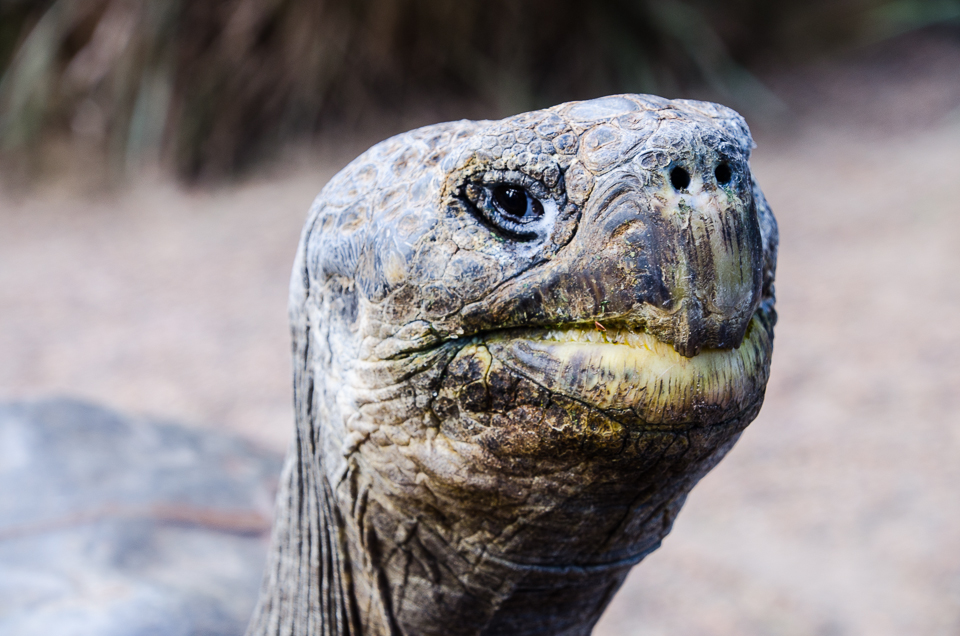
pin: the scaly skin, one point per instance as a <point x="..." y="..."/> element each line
<point x="500" y="410"/>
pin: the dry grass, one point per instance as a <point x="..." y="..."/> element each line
<point x="209" y="87"/>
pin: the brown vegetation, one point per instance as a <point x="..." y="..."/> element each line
<point x="208" y="87"/>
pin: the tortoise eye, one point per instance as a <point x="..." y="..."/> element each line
<point x="512" y="209"/>
<point x="517" y="204"/>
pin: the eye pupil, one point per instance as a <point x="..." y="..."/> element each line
<point x="512" y="200"/>
<point x="723" y="173"/>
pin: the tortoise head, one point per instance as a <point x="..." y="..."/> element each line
<point x="520" y="343"/>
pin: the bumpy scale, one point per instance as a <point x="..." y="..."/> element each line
<point x="518" y="345"/>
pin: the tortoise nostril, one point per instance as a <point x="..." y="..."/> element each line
<point x="679" y="178"/>
<point x="723" y="173"/>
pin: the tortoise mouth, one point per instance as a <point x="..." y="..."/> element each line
<point x="623" y="369"/>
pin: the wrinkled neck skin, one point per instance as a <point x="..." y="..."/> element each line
<point x="497" y="465"/>
<point x="374" y="543"/>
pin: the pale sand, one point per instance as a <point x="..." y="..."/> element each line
<point x="837" y="513"/>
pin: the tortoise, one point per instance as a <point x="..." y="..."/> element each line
<point x="518" y="345"/>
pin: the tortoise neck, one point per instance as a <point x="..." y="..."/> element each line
<point x="323" y="578"/>
<point x="306" y="583"/>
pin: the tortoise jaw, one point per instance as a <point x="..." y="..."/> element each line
<point x="621" y="370"/>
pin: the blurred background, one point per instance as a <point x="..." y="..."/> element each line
<point x="157" y="159"/>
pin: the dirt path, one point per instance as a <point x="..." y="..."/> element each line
<point x="836" y="514"/>
<point x="156" y="300"/>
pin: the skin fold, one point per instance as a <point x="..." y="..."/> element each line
<point x="518" y="345"/>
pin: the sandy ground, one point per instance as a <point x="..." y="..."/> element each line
<point x="839" y="510"/>
<point x="155" y="299"/>
<point x="837" y="513"/>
